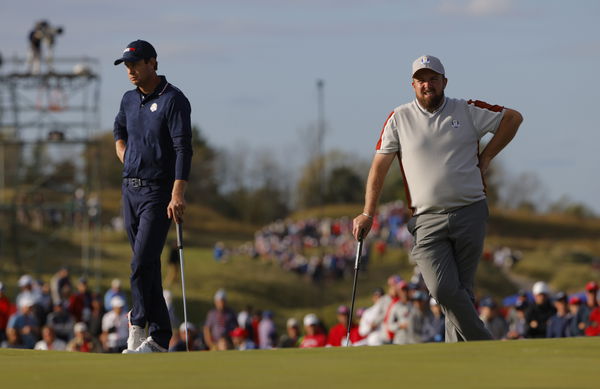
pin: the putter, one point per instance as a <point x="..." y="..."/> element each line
<point x="180" y="247"/>
<point x="356" y="268"/>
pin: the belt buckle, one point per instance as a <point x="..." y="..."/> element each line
<point x="135" y="182"/>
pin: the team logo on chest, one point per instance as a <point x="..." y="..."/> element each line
<point x="455" y="123"/>
<point x="153" y="107"/>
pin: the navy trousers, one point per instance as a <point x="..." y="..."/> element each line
<point x="147" y="225"/>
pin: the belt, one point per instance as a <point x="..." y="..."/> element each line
<point x="138" y="182"/>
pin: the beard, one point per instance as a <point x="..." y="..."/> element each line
<point x="431" y="102"/>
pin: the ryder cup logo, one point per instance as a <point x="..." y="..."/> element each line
<point x="153" y="107"/>
<point x="425" y="60"/>
<point x="455" y="123"/>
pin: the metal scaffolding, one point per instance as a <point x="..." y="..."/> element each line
<point x="48" y="119"/>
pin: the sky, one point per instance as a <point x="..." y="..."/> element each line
<point x="250" y="67"/>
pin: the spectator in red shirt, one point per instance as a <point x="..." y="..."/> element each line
<point x="314" y="336"/>
<point x="337" y="333"/>
<point x="6" y="310"/>
<point x="593" y="321"/>
<point x="80" y="303"/>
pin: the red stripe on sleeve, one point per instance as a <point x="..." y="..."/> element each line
<point x="378" y="147"/>
<point x="484" y="105"/>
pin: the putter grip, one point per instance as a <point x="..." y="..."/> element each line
<point x="361" y="234"/>
<point x="179" y="236"/>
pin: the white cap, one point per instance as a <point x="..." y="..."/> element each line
<point x="190" y="327"/>
<point x="291" y="322"/>
<point x="25" y="280"/>
<point x="311" y="320"/>
<point x="540" y="287"/>
<point x="433" y="302"/>
<point x="428" y="62"/>
<point x="80" y="327"/>
<point x="26" y="301"/>
<point x="117" y="301"/>
<point x="220" y="295"/>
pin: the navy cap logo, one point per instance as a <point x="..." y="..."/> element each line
<point x="425" y="60"/>
<point x="455" y="123"/>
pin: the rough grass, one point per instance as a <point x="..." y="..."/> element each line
<point x="561" y="249"/>
<point x="549" y="364"/>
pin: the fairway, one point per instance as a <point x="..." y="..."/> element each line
<point x="550" y="364"/>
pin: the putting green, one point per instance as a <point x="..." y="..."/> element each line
<point x="548" y="364"/>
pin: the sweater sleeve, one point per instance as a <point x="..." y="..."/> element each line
<point x="179" y="119"/>
<point x="120" y="126"/>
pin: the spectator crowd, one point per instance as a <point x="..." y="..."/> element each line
<point x="323" y="249"/>
<point x="61" y="315"/>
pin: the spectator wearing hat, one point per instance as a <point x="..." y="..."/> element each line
<point x="28" y="290"/>
<point x="371" y="321"/>
<point x="593" y="319"/>
<point x="436" y="329"/>
<point x="115" y="327"/>
<point x="396" y="322"/>
<point x="267" y="333"/>
<point x="578" y="315"/>
<point x="591" y="294"/>
<point x="313" y="332"/>
<point x="220" y="320"/>
<point x="292" y="336"/>
<point x="6" y="310"/>
<point x="517" y="326"/>
<point x="492" y="319"/>
<point x="195" y="343"/>
<point x="115" y="290"/>
<point x="50" y="341"/>
<point x="337" y="333"/>
<point x="25" y="322"/>
<point x="539" y="312"/>
<point x="239" y="338"/>
<point x="420" y="317"/>
<point x="82" y="340"/>
<point x="61" y="321"/>
<point x="558" y="324"/>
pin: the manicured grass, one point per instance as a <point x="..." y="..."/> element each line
<point x="548" y="364"/>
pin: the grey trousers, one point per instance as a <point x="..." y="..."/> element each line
<point x="447" y="250"/>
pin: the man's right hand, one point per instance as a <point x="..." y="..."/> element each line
<point x="361" y="225"/>
<point x="120" y="146"/>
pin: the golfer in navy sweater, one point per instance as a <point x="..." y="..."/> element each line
<point x="154" y="142"/>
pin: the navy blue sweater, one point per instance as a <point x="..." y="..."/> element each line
<point x="158" y="134"/>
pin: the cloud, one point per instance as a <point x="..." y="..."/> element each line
<point x="476" y="8"/>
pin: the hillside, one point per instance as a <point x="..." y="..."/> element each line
<point x="554" y="248"/>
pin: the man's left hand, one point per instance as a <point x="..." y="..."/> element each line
<point x="176" y="208"/>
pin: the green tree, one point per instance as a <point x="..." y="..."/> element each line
<point x="343" y="176"/>
<point x="344" y="185"/>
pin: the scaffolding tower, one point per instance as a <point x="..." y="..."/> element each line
<point x="46" y="119"/>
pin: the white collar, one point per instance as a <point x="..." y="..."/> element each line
<point x="441" y="107"/>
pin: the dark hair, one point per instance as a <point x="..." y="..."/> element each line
<point x="146" y="60"/>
